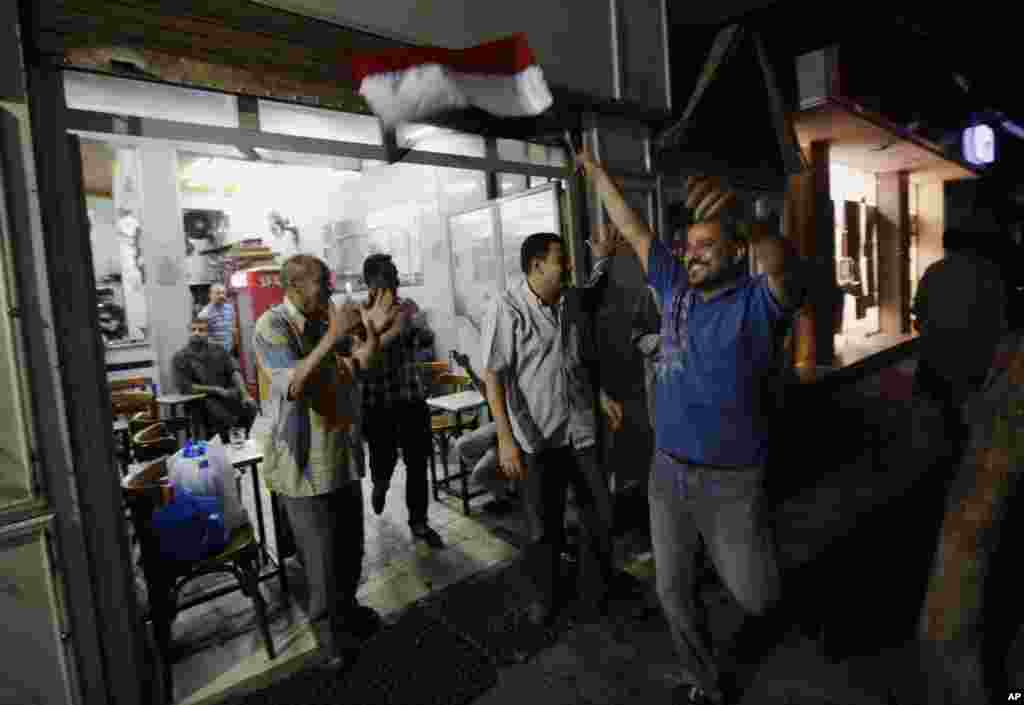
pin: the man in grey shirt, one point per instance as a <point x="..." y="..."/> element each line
<point x="539" y="361"/>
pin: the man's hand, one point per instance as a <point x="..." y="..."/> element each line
<point x="605" y="241"/>
<point x="380" y="310"/>
<point x="510" y="459"/>
<point x="706" y="196"/>
<point x="613" y="412"/>
<point x="248" y="401"/>
<point x="585" y="159"/>
<point x="341" y="320"/>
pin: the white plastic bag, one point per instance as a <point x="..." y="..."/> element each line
<point x="214" y="478"/>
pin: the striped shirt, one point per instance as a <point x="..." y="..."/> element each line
<point x="546" y="356"/>
<point x="307" y="447"/>
<point x="221" y="319"/>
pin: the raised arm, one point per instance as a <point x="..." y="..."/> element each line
<point x="632" y="227"/>
<point x="288" y="373"/>
<point x="787" y="277"/>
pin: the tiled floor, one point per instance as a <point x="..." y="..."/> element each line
<point x="219" y="650"/>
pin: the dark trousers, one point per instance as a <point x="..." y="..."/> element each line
<point x="548" y="475"/>
<point x="950" y="396"/>
<point x="404" y="425"/>
<point x="328" y="532"/>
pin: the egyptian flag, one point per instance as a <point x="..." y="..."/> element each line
<point x="406" y="85"/>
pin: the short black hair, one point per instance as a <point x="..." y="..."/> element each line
<point x="380" y="272"/>
<point x="536" y="246"/>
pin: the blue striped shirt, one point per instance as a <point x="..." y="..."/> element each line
<point x="221" y="319"/>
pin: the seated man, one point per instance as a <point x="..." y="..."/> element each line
<point x="202" y="367"/>
<point x="479" y="451"/>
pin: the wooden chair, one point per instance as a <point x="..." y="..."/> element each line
<point x="165" y="579"/>
<point x="150" y="440"/>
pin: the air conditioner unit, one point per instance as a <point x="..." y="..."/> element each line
<point x="847" y="270"/>
<point x="818" y="76"/>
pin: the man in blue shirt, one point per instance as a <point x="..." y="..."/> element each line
<point x="720" y="350"/>
<point x="221" y="315"/>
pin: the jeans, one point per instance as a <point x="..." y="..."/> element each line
<point x="405" y="425"/>
<point x="479" y="451"/>
<point x="718" y="510"/>
<point x="548" y="475"/>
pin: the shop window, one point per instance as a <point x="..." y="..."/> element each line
<point x="427" y="138"/>
<point x="318" y="123"/>
<point x="15" y="461"/>
<point x="509" y="184"/>
<point x="519" y="218"/>
<point x="121" y="96"/>
<point x="531" y="153"/>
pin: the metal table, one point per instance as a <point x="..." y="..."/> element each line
<point x="246" y="460"/>
<point x="457" y="404"/>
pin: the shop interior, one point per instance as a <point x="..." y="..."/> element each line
<point x="169" y="218"/>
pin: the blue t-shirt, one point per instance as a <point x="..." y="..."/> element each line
<point x="717" y="364"/>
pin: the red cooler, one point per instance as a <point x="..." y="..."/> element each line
<point x="254" y="291"/>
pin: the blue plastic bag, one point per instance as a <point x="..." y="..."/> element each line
<point x="191" y="527"/>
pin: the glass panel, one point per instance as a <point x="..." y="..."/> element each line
<point x="531" y="153"/>
<point x="509" y="184"/>
<point x="37" y="670"/>
<point x="130" y="323"/>
<point x="305" y="121"/>
<point x="475" y="276"/>
<point x="521" y="217"/>
<point x="427" y="138"/>
<point x="15" y="464"/>
<point x="122" y="96"/>
<point x="460" y="189"/>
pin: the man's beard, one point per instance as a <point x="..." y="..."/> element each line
<point x="197" y="342"/>
<point x="713" y="279"/>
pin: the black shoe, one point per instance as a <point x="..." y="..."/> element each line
<point x="425" y="533"/>
<point x="339" y="660"/>
<point x="499" y="507"/>
<point x="689" y="694"/>
<point x="362" y="622"/>
<point x="540" y="614"/>
<point x="377" y="499"/>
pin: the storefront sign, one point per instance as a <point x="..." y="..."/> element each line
<point x="979" y="145"/>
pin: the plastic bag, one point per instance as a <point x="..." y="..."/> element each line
<point x="190" y="528"/>
<point x="203" y="468"/>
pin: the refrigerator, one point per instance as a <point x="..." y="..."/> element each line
<point x="254" y="291"/>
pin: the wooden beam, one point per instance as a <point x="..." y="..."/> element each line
<point x="810" y="224"/>
<point x="894" y="253"/>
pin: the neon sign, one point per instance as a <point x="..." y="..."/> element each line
<point x="979" y="145"/>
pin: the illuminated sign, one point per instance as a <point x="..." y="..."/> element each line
<point x="979" y="145"/>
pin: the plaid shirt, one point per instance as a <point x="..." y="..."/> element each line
<point x="395" y="376"/>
